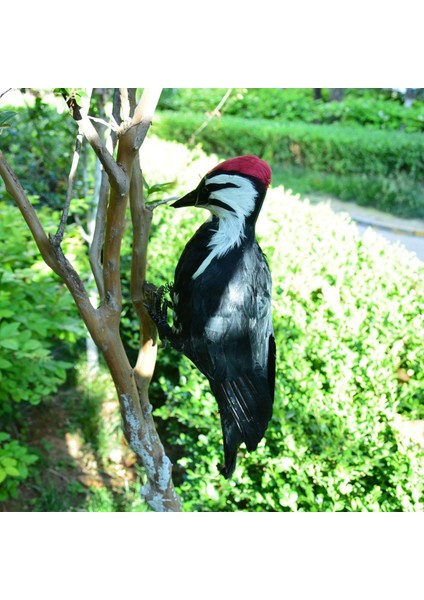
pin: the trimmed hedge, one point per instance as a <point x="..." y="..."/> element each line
<point x="348" y="318"/>
<point x="387" y="162"/>
<point x="376" y="109"/>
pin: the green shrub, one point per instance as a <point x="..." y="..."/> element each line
<point x="348" y="314"/>
<point x="380" y="168"/>
<point x="14" y="462"/>
<point x="37" y="316"/>
<point x="39" y="144"/>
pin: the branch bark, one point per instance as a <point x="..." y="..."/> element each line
<point x="103" y="323"/>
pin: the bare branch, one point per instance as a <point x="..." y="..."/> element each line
<point x="103" y="323"/>
<point x="95" y="251"/>
<point x="125" y="104"/>
<point x="15" y="189"/>
<point x="5" y="92"/>
<point x="111" y="125"/>
<point x="71" y="179"/>
<point x="143" y="114"/>
<point x="214" y="113"/>
<point x="141" y="220"/>
<point x="152" y="205"/>
<point x="118" y="177"/>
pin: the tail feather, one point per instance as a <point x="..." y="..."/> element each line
<point x="245" y="408"/>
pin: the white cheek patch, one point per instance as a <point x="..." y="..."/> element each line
<point x="241" y="198"/>
<point x="241" y="203"/>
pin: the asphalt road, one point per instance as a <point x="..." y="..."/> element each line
<point x="408" y="232"/>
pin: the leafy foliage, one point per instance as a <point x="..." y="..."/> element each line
<point x="41" y="141"/>
<point x="348" y="316"/>
<point x="38" y="322"/>
<point x="28" y="369"/>
<point x="14" y="462"/>
<point x="374" y="109"/>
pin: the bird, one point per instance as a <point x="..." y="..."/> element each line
<point x="221" y="301"/>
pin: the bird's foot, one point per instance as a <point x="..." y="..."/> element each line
<point x="157" y="307"/>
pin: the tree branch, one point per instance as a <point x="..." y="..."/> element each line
<point x="71" y="179"/>
<point x="129" y="144"/>
<point x="141" y="220"/>
<point x="95" y="250"/>
<point x="117" y="176"/>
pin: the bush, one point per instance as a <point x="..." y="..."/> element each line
<point x="385" y="169"/>
<point x="14" y="462"/>
<point x="31" y="323"/>
<point x="38" y="321"/>
<point x="348" y="317"/>
<point x="41" y="141"/>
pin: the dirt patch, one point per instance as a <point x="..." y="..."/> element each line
<point x="65" y="458"/>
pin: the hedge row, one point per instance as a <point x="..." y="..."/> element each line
<point x="376" y="108"/>
<point x="391" y="163"/>
<point x="332" y="149"/>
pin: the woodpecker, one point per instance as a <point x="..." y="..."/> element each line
<point x="221" y="298"/>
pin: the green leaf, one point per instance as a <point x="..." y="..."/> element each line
<point x="8" y="462"/>
<point x="159" y="187"/>
<point x="9" y="344"/>
<point x="2" y="474"/>
<point x="8" y="330"/>
<point x="31" y="345"/>
<point x="6" y="115"/>
<point x="12" y="471"/>
<point x="5" y="364"/>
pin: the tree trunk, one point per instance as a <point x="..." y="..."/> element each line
<point x="336" y="94"/>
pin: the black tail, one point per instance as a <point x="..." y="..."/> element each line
<point x="245" y="407"/>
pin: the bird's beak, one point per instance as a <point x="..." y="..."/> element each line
<point x="187" y="200"/>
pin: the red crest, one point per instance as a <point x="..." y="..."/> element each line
<point x="247" y="165"/>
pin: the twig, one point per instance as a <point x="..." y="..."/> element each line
<point x="117" y="175"/>
<point x="153" y="205"/>
<point x="111" y="125"/>
<point x="213" y="114"/>
<point x="71" y="179"/>
<point x="5" y="92"/>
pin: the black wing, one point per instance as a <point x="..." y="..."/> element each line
<point x="231" y="341"/>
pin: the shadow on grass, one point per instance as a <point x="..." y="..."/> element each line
<point x="84" y="463"/>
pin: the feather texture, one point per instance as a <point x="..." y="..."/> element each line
<point x="224" y="318"/>
<point x="222" y="302"/>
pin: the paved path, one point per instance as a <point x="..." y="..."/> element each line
<point x="409" y="232"/>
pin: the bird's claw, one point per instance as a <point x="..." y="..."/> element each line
<point x="157" y="306"/>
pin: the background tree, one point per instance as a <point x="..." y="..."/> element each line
<point x="121" y="182"/>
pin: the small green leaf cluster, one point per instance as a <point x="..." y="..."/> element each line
<point x="14" y="462"/>
<point x="5" y="116"/>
